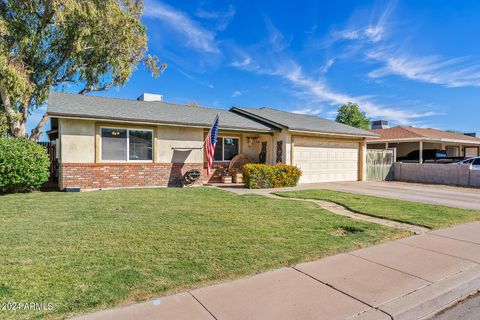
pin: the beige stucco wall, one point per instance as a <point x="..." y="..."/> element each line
<point x="77" y="139"/>
<point x="286" y="139"/>
<point x="405" y="148"/>
<point x="77" y="142"/>
<point x="179" y="137"/>
<point x="376" y="146"/>
<point x="472" y="151"/>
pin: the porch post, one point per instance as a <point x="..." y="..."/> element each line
<point x="420" y="153"/>
<point x="362" y="161"/>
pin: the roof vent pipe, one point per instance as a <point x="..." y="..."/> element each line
<point x="150" y="97"/>
<point x="379" y="124"/>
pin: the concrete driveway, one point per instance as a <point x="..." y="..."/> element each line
<point x="435" y="194"/>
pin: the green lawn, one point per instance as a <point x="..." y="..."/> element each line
<point x="427" y="215"/>
<point x="92" y="250"/>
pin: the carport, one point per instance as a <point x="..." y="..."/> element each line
<point x="407" y="139"/>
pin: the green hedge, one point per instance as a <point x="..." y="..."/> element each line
<point x="24" y="165"/>
<point x="260" y="176"/>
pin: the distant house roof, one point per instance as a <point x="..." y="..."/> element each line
<point x="94" y="107"/>
<point x="301" y="122"/>
<point x="404" y="133"/>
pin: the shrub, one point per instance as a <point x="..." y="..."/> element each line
<point x="259" y="176"/>
<point x="24" y="165"/>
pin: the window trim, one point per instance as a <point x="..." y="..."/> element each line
<point x="128" y="144"/>
<point x="223" y="146"/>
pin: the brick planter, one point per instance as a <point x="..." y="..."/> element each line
<point x="118" y="175"/>
<point x="218" y="170"/>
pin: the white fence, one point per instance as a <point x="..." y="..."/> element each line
<point x="379" y="164"/>
<point x="449" y="174"/>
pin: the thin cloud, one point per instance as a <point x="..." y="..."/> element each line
<point x="269" y="60"/>
<point x="246" y="63"/>
<point x="236" y="93"/>
<point x="276" y="41"/>
<point x="327" y="66"/>
<point x="222" y="18"/>
<point x="374" y="44"/>
<point x="377" y="31"/>
<point x="455" y="72"/>
<point x="318" y="91"/>
<point x="370" y="32"/>
<point x="196" y="37"/>
<point x="308" y="111"/>
<point x="211" y="86"/>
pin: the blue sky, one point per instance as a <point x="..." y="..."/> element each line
<point x="410" y="62"/>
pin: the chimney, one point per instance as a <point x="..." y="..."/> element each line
<point x="380" y="124"/>
<point x="150" y="97"/>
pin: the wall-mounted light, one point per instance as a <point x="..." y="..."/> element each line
<point x="251" y="140"/>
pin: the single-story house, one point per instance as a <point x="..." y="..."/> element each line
<point x="104" y="142"/>
<point x="406" y="139"/>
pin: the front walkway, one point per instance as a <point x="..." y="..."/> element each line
<point x="340" y="210"/>
<point x="409" y="278"/>
<point x="457" y="197"/>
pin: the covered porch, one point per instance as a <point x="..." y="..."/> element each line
<point x="235" y="148"/>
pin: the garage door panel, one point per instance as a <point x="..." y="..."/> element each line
<point x="323" y="161"/>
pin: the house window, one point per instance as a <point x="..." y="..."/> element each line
<point x="226" y="148"/>
<point x="140" y="145"/>
<point x="126" y="144"/>
<point x="114" y="144"/>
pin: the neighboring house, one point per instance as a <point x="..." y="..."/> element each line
<point x="410" y="139"/>
<point x="104" y="142"/>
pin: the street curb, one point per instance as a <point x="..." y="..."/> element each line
<point x="427" y="301"/>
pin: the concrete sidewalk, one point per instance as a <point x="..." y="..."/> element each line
<point x="412" y="278"/>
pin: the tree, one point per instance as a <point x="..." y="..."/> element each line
<point x="351" y="115"/>
<point x="3" y="124"/>
<point x="91" y="45"/>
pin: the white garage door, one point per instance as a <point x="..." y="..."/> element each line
<point x="323" y="161"/>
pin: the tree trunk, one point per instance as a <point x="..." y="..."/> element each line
<point x="18" y="125"/>
<point x="37" y="131"/>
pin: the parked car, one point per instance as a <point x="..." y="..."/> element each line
<point x="475" y="162"/>
<point x="429" y="155"/>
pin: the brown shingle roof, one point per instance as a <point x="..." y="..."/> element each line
<point x="404" y="132"/>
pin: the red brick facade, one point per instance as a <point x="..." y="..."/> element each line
<point x="219" y="168"/>
<point x="116" y="175"/>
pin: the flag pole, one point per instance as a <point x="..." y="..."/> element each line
<point x="210" y="144"/>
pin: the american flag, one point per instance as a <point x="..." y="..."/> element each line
<point x="210" y="142"/>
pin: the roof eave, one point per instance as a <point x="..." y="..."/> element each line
<point x="331" y="133"/>
<point x="380" y="140"/>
